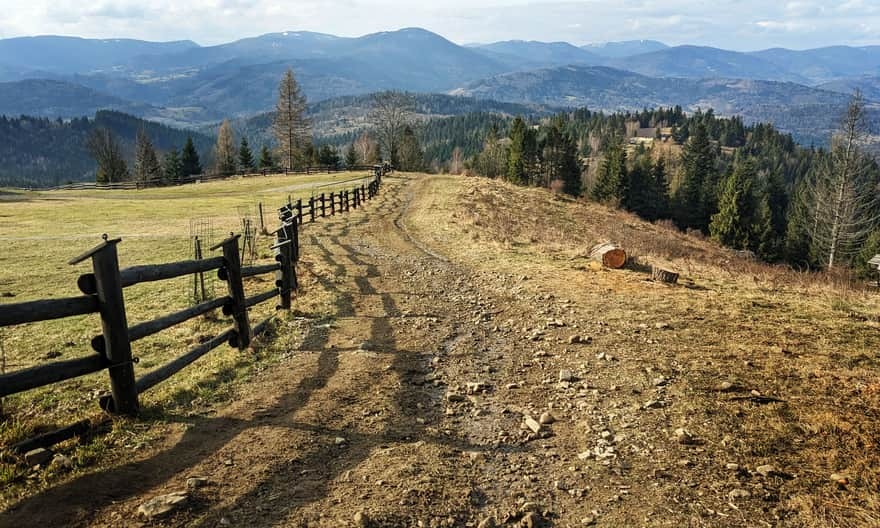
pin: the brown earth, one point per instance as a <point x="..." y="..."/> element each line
<point x="454" y="323"/>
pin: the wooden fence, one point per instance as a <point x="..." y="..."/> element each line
<point x="103" y="293"/>
<point x="198" y="178"/>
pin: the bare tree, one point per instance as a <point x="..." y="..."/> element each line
<point x="104" y="147"/>
<point x="225" y="151"/>
<point x="291" y="127"/>
<point x="456" y="164"/>
<point x="843" y="200"/>
<point x="392" y="112"/>
<point x="364" y="146"/>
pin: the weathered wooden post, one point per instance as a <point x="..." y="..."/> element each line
<point x="323" y="206"/>
<point x="283" y="255"/>
<point x="117" y="346"/>
<point x="347" y="203"/>
<point x="262" y="223"/>
<point x="231" y="273"/>
<point x="312" y="209"/>
<point x="332" y="205"/>
<point x="299" y="210"/>
<point x="363" y="193"/>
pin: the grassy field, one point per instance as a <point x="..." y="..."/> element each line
<point x="808" y="340"/>
<point x="41" y="231"/>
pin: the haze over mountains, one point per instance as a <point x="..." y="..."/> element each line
<point x="184" y="84"/>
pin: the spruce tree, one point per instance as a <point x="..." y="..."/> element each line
<point x="570" y="169"/>
<point x="146" y="162"/>
<point x="661" y="189"/>
<point x="173" y="169"/>
<point x="698" y="158"/>
<point x="351" y="157"/>
<point x="291" y="127"/>
<point x="611" y="185"/>
<point x="189" y="159"/>
<point x="412" y="159"/>
<point x="734" y="225"/>
<point x="641" y="197"/>
<point x="266" y="161"/>
<point x="245" y="155"/>
<point x="516" y="157"/>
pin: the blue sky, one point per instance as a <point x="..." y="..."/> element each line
<point x="733" y="24"/>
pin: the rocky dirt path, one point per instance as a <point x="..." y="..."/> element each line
<point x="436" y="395"/>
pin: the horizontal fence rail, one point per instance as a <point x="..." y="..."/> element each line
<point x="103" y="288"/>
<point x="129" y="185"/>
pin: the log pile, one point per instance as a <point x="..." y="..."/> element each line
<point x="609" y="255"/>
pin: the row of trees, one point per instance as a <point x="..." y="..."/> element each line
<point x="748" y="187"/>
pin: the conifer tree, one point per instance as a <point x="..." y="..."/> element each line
<point x="224" y="150"/>
<point x="516" y="158"/>
<point x="661" y="189"/>
<point x="189" y="159"/>
<point x="245" y="155"/>
<point x="611" y="184"/>
<point x="266" y="161"/>
<point x="173" y="169"/>
<point x="735" y="223"/>
<point x="146" y="162"/>
<point x="351" y="157"/>
<point x="291" y="127"/>
<point x="412" y="159"/>
<point x="692" y="207"/>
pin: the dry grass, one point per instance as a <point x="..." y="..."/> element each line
<point x="42" y="230"/>
<point x="808" y="339"/>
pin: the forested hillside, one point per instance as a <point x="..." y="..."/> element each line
<point x="40" y="152"/>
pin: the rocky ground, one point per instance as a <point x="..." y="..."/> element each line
<point x="447" y="392"/>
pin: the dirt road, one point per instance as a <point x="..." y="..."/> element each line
<point x="436" y="395"/>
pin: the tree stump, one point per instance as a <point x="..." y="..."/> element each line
<point x="609" y="255"/>
<point x="662" y="275"/>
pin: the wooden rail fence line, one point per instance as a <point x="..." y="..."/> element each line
<point x="196" y="178"/>
<point x="103" y="293"/>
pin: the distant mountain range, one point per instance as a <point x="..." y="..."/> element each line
<point x="187" y="85"/>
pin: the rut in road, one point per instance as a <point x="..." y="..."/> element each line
<point x="353" y="422"/>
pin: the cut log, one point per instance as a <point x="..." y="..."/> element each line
<point x="662" y="275"/>
<point x="609" y="255"/>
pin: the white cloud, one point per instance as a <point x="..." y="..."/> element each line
<point x="737" y="24"/>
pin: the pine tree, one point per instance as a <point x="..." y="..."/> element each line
<point x="570" y="168"/>
<point x="611" y="185"/>
<point x="351" y="157"/>
<point x="772" y="219"/>
<point x="189" y="159"/>
<point x="661" y="189"/>
<point x="692" y="208"/>
<point x="266" y="161"/>
<point x="641" y="197"/>
<point x="412" y="159"/>
<point x="292" y="129"/>
<point x="734" y="225"/>
<point x="245" y="155"/>
<point x="146" y="162"/>
<point x="173" y="169"/>
<point x="224" y="150"/>
<point x="516" y="158"/>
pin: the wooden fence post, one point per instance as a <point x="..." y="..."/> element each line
<point x="299" y="210"/>
<point x="262" y="223"/>
<point x="231" y="273"/>
<point x="323" y="206"/>
<point x="117" y="346"/>
<point x="363" y="193"/>
<point x="332" y="205"/>
<point x="312" y="208"/>
<point x="283" y="255"/>
<point x="347" y="203"/>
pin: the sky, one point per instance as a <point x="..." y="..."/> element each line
<point x="730" y="24"/>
